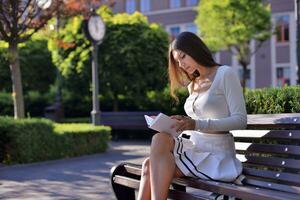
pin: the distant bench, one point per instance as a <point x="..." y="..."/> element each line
<point x="136" y="121"/>
<point x="271" y="160"/>
<point x="126" y="120"/>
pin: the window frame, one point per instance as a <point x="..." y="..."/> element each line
<point x="191" y="2"/>
<point x="147" y="4"/>
<point x="173" y="4"/>
<point x="280" y="38"/>
<point x="130" y="6"/>
<point x="282" y="78"/>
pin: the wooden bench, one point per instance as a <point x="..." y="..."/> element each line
<point x="126" y="120"/>
<point x="271" y="160"/>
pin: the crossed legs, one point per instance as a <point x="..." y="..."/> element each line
<point x="158" y="170"/>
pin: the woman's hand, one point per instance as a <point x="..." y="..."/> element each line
<point x="183" y="123"/>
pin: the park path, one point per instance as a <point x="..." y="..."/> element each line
<point x="85" y="177"/>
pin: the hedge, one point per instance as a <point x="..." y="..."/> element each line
<point x="258" y="101"/>
<point x="273" y="100"/>
<point x="33" y="140"/>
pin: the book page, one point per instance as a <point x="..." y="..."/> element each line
<point x="162" y="123"/>
<point x="149" y="120"/>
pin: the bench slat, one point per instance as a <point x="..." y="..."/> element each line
<point x="173" y="194"/>
<point x="228" y="189"/>
<point x="127" y="126"/>
<point x="129" y="113"/>
<point x="133" y="169"/>
<point x="129" y="182"/>
<point x="270" y="161"/>
<point x="293" y="179"/>
<point x="243" y="192"/>
<point x="276" y="186"/>
<point x="126" y="120"/>
<point x="268" y="148"/>
<point x="179" y="195"/>
<point x="136" y="169"/>
<point x="267" y="134"/>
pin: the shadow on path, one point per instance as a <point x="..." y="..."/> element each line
<point x="85" y="177"/>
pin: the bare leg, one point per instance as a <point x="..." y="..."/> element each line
<point x="162" y="165"/>
<point x="145" y="190"/>
<point x="161" y="147"/>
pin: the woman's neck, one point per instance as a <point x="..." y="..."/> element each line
<point x="206" y="72"/>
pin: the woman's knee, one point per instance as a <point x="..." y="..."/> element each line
<point x="146" y="167"/>
<point x="161" y="142"/>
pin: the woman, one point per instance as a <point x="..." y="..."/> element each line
<point x="214" y="107"/>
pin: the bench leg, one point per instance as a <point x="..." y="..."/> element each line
<point x="121" y="192"/>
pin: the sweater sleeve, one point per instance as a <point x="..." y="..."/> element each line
<point x="237" y="118"/>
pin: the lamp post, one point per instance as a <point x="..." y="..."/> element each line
<point x="94" y="28"/>
<point x="297" y="2"/>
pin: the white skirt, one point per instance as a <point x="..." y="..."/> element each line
<point x="207" y="156"/>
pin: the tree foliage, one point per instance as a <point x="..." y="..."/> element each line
<point x="232" y="24"/>
<point x="38" y="72"/>
<point x="19" y="20"/>
<point x="132" y="57"/>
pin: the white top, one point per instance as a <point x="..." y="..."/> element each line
<point x="221" y="107"/>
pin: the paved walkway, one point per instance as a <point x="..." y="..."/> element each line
<point x="85" y="177"/>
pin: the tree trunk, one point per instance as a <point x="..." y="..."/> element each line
<point x="17" y="89"/>
<point x="244" y="79"/>
<point x="115" y="103"/>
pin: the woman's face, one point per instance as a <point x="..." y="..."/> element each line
<point x="185" y="62"/>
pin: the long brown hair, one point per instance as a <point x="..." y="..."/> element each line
<point x="190" y="44"/>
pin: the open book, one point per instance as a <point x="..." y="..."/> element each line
<point x="162" y="123"/>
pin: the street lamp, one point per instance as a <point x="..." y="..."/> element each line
<point x="44" y="4"/>
<point x="55" y="111"/>
<point x="94" y="28"/>
<point x="297" y="2"/>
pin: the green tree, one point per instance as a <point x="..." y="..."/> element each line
<point x="232" y="24"/>
<point x="38" y="72"/>
<point x="132" y="57"/>
<point x="19" y="20"/>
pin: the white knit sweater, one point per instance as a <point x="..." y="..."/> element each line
<point x="221" y="107"/>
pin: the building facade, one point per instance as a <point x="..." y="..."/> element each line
<point x="273" y="65"/>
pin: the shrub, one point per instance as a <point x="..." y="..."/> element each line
<point x="32" y="140"/>
<point x="6" y="104"/>
<point x="273" y="100"/>
<point x="26" y="140"/>
<point x="79" y="139"/>
<point x="35" y="103"/>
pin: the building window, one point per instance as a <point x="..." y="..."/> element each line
<point x="130" y="6"/>
<point x="175" y="3"/>
<point x="145" y="5"/>
<point x="174" y="31"/>
<point x="191" y="28"/>
<point x="283" y="76"/>
<point x="191" y="2"/>
<point x="282" y="29"/>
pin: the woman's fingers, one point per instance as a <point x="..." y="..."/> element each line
<point x="181" y="125"/>
<point x="184" y="124"/>
<point x="177" y="117"/>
